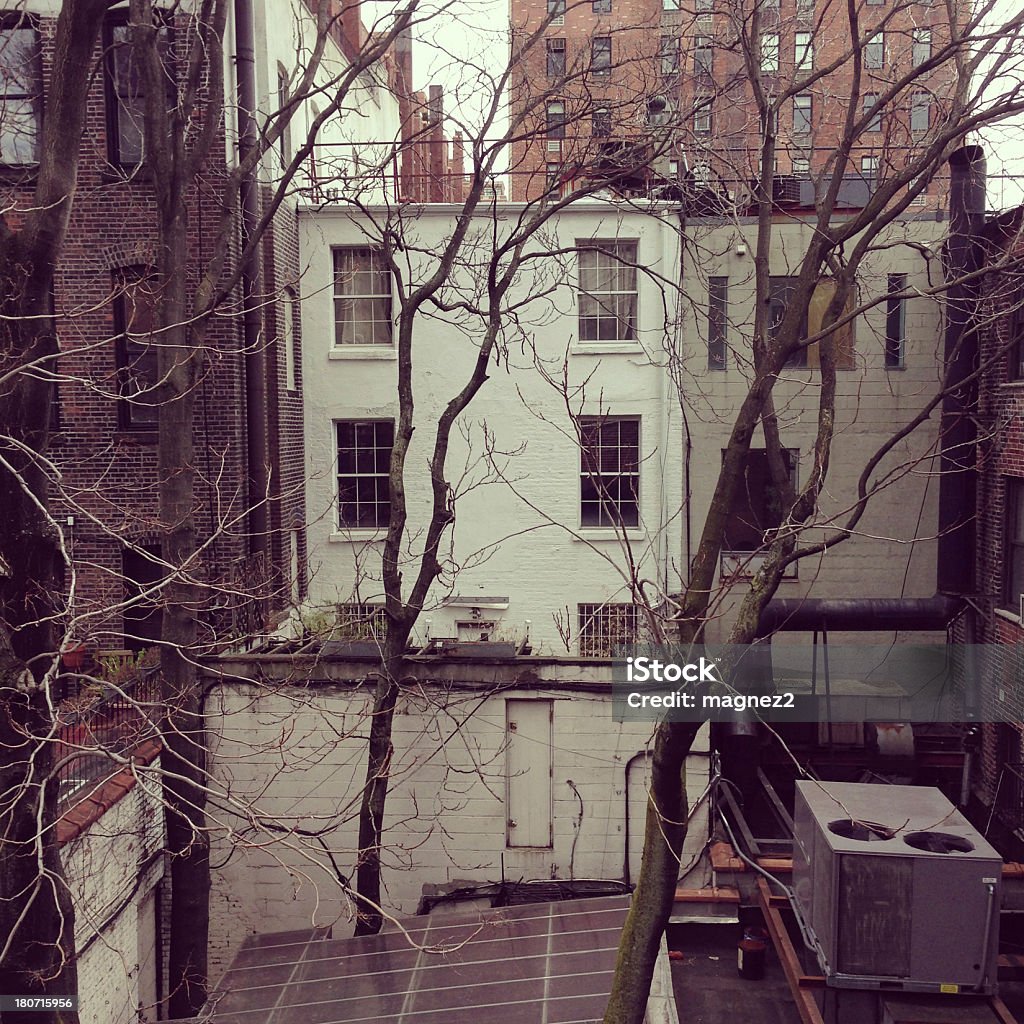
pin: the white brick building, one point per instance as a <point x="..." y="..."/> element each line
<point x="529" y="551"/>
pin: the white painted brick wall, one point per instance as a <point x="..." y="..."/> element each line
<point x="543" y="569"/>
<point x="446" y="811"/>
<point x="103" y="868"/>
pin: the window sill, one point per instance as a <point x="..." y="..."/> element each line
<point x="350" y="352"/>
<point x="896" y="369"/>
<point x="601" y="348"/>
<point x="140" y="436"/>
<point x="1012" y="384"/>
<point x="590" y="534"/>
<point x="1004" y="613"/>
<point x="357" y="535"/>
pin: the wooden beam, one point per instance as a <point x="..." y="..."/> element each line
<point x="806" y="1005"/>
<point x="715" y="894"/>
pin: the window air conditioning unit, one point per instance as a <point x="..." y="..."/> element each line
<point x="785" y="189"/>
<point x="898" y="889"/>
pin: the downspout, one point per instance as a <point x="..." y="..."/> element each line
<point x="254" y="355"/>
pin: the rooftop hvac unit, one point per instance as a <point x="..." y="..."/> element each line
<point x="897" y="888"/>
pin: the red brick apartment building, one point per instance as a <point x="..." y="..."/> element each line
<point x="104" y="417"/>
<point x="670" y="84"/>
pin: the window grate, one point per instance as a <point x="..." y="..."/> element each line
<point x="604" y="629"/>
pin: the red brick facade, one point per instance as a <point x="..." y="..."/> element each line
<point x="697" y="66"/>
<point x="109" y="470"/>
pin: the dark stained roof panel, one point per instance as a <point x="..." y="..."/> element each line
<point x="510" y="965"/>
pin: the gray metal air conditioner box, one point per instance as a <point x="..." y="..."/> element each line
<point x="906" y="897"/>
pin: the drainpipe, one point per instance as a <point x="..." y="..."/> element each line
<point x="255" y="356"/>
<point x="957" y="483"/>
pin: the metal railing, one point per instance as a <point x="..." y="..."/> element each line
<point x="97" y="723"/>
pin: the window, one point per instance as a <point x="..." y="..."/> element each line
<point x="870" y="103"/>
<point x="142" y="570"/>
<point x="759" y="505"/>
<point x="769" y="52"/>
<point x="703" y="55"/>
<point x="895" y="321"/>
<point x="126" y="102"/>
<point x="718" y="323"/>
<point x="804" y="51"/>
<point x="136" y="304"/>
<point x="802" y="113"/>
<point x="556" y="11"/>
<point x="608" y="291"/>
<point x="702" y="115"/>
<point x="874" y="51"/>
<point x="360" y="620"/>
<point x="921" y="46"/>
<point x="601" y="6"/>
<point x="601" y="122"/>
<point x="362" y="298"/>
<point x="670" y="5"/>
<point x="801" y="165"/>
<point x="556" y="57"/>
<point x="601" y="55"/>
<point x="805" y="9"/>
<point x="1013" y="584"/>
<point x="555" y="127"/>
<point x="553" y="177"/>
<point x="364" y="462"/>
<point x="781" y="293"/>
<point x="609" y="471"/>
<point x="20" y="92"/>
<point x="920" y="111"/>
<point x="669" y="54"/>
<point x="869" y="168"/>
<point x="604" y="629"/>
<point x="704" y="6"/>
<point x="288" y="339"/>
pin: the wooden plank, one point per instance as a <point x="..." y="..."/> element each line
<point x="723" y="858"/>
<point x="1002" y="1011"/>
<point x="804" y="999"/>
<point x="715" y="894"/>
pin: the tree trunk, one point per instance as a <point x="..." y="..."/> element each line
<point x="375" y="790"/>
<point x="664" y="834"/>
<point x="184" y="734"/>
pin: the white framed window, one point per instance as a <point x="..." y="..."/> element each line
<point x="702" y="115"/>
<point x="604" y="629"/>
<point x="921" y="46"/>
<point x="601" y="55"/>
<point x="920" y="112"/>
<point x="801" y="165"/>
<point x="869" y="167"/>
<point x="556" y="11"/>
<point x="555" y="49"/>
<point x="803" y="112"/>
<point x="669" y="54"/>
<point x="703" y="55"/>
<point x="554" y="128"/>
<point x="608" y="296"/>
<point x="362" y="297"/>
<point x="804" y="56"/>
<point x="870" y="102"/>
<point x="609" y="471"/>
<point x="874" y="51"/>
<point x="769" y="60"/>
<point x="360" y="620"/>
<point x="364" y="464"/>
